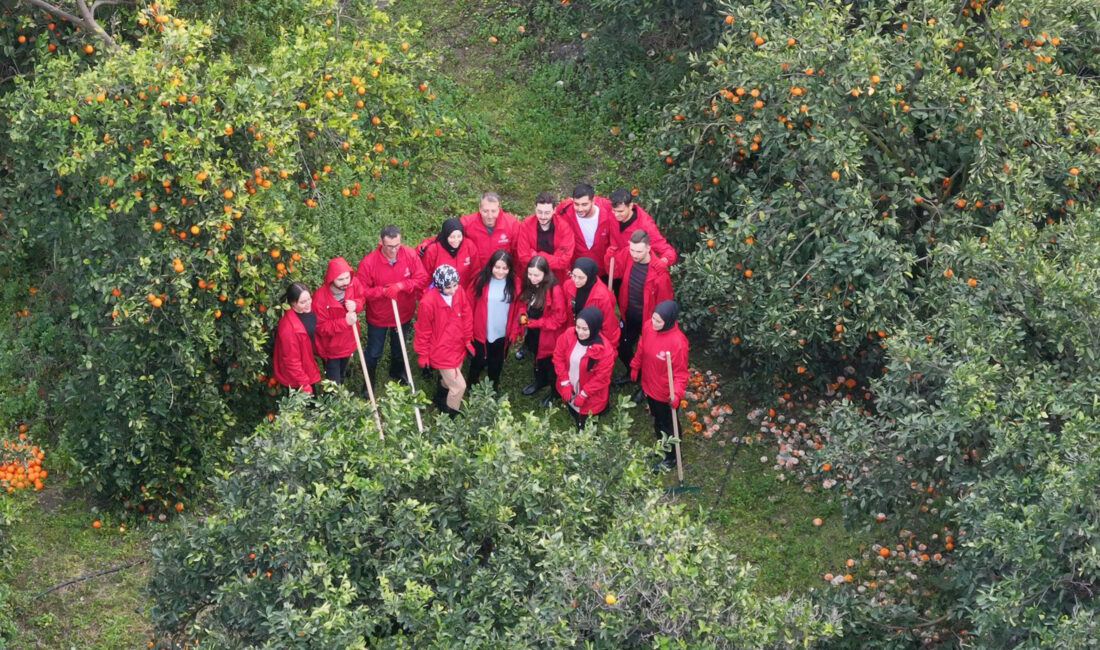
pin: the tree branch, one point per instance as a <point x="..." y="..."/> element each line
<point x="86" y="19"/>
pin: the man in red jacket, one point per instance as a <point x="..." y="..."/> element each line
<point x="630" y="217"/>
<point x="644" y="283"/>
<point x="336" y="302"/>
<point x="546" y="234"/>
<point x="589" y="217"/>
<point x="391" y="272"/>
<point x="490" y="229"/>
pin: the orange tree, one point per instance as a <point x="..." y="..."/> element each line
<point x="817" y="157"/>
<point x="492" y="530"/>
<point x="156" y="201"/>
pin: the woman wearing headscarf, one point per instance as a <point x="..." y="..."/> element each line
<point x="662" y="339"/>
<point x="496" y="316"/>
<point x="450" y="247"/>
<point x="444" y="329"/>
<point x="543" y="311"/>
<point x="585" y="289"/>
<point x="292" y="363"/>
<point x="583" y="362"/>
<point x="336" y="303"/>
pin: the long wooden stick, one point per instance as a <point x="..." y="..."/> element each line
<point x="366" y="379"/>
<point x="611" y="276"/>
<point x="675" y="419"/>
<point x="408" y="369"/>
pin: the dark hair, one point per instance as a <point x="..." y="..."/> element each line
<point x="294" y="291"/>
<point x="486" y="274"/>
<point x="536" y="296"/>
<point x="639" y="236"/>
<point x="620" y="197"/>
<point x="582" y="190"/>
<point x="546" y="197"/>
<point x="389" y="232"/>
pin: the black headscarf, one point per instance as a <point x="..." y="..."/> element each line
<point x="587" y="266"/>
<point x="593" y="317"/>
<point x="668" y="310"/>
<point x="449" y="226"/>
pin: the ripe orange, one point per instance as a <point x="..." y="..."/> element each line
<point x="948" y="273"/>
<point x="73" y="119"/>
<point x="88" y="49"/>
<point x="729" y="20"/>
<point x="96" y="524"/>
<point x="972" y="282"/>
<point x="817" y="521"/>
<point x="610" y="599"/>
<point x="748" y="273"/>
<point x="834" y="174"/>
<point x="884" y="552"/>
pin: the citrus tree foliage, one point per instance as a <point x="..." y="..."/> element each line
<point x="158" y="200"/>
<point x="492" y="530"/>
<point x="820" y="154"/>
<point x="988" y="410"/>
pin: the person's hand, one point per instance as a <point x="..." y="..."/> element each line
<point x="349" y="318"/>
<point x="391" y="291"/>
<point x="349" y="305"/>
<point x="523" y="319"/>
<point x="579" y="400"/>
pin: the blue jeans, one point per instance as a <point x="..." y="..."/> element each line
<point x="376" y="340"/>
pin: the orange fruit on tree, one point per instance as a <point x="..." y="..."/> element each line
<point x="97" y="524"/>
<point x="884" y="552"/>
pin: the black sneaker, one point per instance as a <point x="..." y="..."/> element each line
<point x="400" y="378"/>
<point x="531" y="389"/>
<point x="638" y="396"/>
<point x="546" y="400"/>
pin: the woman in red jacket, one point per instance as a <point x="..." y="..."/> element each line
<point x="586" y="289"/>
<point x="543" y="311"/>
<point x="496" y="316"/>
<point x="450" y="247"/>
<point x="661" y="338"/>
<point x="335" y="303"/>
<point x="583" y="363"/>
<point x="293" y="362"/>
<point x="444" y="328"/>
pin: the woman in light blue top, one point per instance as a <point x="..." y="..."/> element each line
<point x="496" y="316"/>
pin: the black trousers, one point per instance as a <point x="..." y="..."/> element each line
<point x="628" y="340"/>
<point x="661" y="411"/>
<point x="491" y="356"/>
<point x="336" y="369"/>
<point x="579" y="419"/>
<point x="544" y="372"/>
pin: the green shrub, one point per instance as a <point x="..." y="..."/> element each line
<point x="492" y="530"/>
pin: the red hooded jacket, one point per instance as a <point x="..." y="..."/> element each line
<point x="443" y="333"/>
<point x="564" y="243"/>
<point x="600" y="296"/>
<point x="604" y="223"/>
<point x="657" y="287"/>
<point x="649" y="358"/>
<point x="432" y="254"/>
<point x="334" y="338"/>
<point x="595" y="372"/>
<point x="620" y="240"/>
<point x="292" y="363"/>
<point x="555" y="313"/>
<point x="505" y="233"/>
<point x="481" y="314"/>
<point x="375" y="272"/>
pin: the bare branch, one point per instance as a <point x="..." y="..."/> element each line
<point x="57" y="11"/>
<point x="98" y="3"/>
<point x="85" y="20"/>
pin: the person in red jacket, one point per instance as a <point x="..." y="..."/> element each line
<point x="449" y="247"/>
<point x="644" y="283"/>
<point x="335" y="303"/>
<point x="661" y="338"/>
<point x="292" y="362"/>
<point x="496" y="316"/>
<point x="629" y="218"/>
<point x="585" y="289"/>
<point x="588" y="216"/>
<point x="583" y="363"/>
<point x="389" y="272"/>
<point x="444" y="329"/>
<point x="490" y="229"/>
<point x="544" y="233"/>
<point x="543" y="311"/>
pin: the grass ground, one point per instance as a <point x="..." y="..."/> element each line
<point x="522" y="135"/>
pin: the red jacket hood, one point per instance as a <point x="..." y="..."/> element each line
<point x="336" y="266"/>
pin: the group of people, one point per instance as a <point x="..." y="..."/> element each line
<point x="582" y="282"/>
